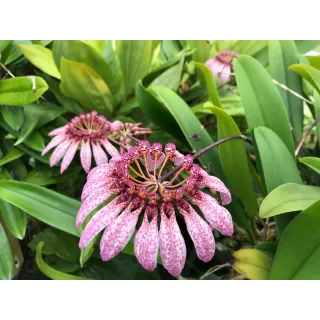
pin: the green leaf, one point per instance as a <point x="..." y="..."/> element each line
<point x="12" y="155"/>
<point x="288" y="198"/>
<point x="305" y="46"/>
<point x="135" y="57"/>
<point x="311" y="162"/>
<point x="282" y="54"/>
<point x="298" y="253"/>
<point x="314" y="61"/>
<point x="35" y="141"/>
<point x="268" y="248"/>
<point x="49" y="271"/>
<point x="13" y="116"/>
<point x="4" y="44"/>
<point x="210" y="82"/>
<point x="202" y="52"/>
<point x="252" y="263"/>
<point x="40" y="57"/>
<point x="15" y="53"/>
<point x="235" y="168"/>
<point x="36" y="116"/>
<point x="316" y="98"/>
<point x="46" y="205"/>
<point x="98" y="45"/>
<point x="18" y="91"/>
<point x="309" y="73"/>
<point x="6" y="258"/>
<point x="276" y="165"/>
<point x="261" y="99"/>
<point x="82" y="83"/>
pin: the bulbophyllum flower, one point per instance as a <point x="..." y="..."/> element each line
<point x="222" y="65"/>
<point x="136" y="178"/>
<point x="89" y="131"/>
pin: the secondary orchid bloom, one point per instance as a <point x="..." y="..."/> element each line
<point x="136" y="178"/>
<point x="221" y="65"/>
<point x="89" y="131"/>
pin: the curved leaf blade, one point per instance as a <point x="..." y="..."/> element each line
<point x="311" y="162"/>
<point x="6" y="258"/>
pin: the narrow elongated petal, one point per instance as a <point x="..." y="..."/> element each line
<point x="110" y="148"/>
<point x="215" y="183"/>
<point x="150" y="161"/>
<point x="54" y="142"/>
<point x="59" y="152"/>
<point x="103" y="171"/>
<point x="178" y="158"/>
<point x="85" y="156"/>
<point x="100" y="220"/>
<point x="93" y="201"/>
<point x="118" y="234"/>
<point x="99" y="155"/>
<point x="146" y="243"/>
<point x="172" y="245"/>
<point x="218" y="217"/>
<point x="58" y="131"/>
<point x="69" y="155"/>
<point x="200" y="233"/>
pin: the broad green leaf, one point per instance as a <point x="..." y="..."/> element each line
<point x="35" y="141"/>
<point x="99" y="45"/>
<point x="316" y="98"/>
<point x="305" y="46"/>
<point x="312" y="162"/>
<point x="82" y="83"/>
<point x="36" y="116"/>
<point x="298" y="253"/>
<point x="40" y="57"/>
<point x="248" y="47"/>
<point x="211" y="83"/>
<point x="268" y="248"/>
<point x="288" y="198"/>
<point x="235" y="168"/>
<point x="135" y="57"/>
<point x="49" y="271"/>
<point x="314" y="61"/>
<point x="202" y="52"/>
<point x="19" y="91"/>
<point x="12" y="155"/>
<point x="15" y="53"/>
<point x="261" y="99"/>
<point x="252" y="263"/>
<point x="46" y="205"/>
<point x="13" y="116"/>
<point x="309" y="73"/>
<point x="276" y="165"/>
<point x="4" y="44"/>
<point x="6" y="258"/>
<point x="283" y="54"/>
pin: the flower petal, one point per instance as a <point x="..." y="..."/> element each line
<point x="102" y="172"/>
<point x="200" y="233"/>
<point x="99" y="155"/>
<point x="110" y="148"/>
<point x="69" y="155"/>
<point x="178" y="158"/>
<point x="57" y="131"/>
<point x="93" y="201"/>
<point x="118" y="234"/>
<point x="146" y="242"/>
<point x="54" y="142"/>
<point x="215" y="183"/>
<point x="150" y="161"/>
<point x="85" y="155"/>
<point x="225" y="74"/>
<point x="218" y="217"/>
<point x="172" y="245"/>
<point x="59" y="152"/>
<point x="100" y="220"/>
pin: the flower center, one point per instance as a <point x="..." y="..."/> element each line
<point x="227" y="56"/>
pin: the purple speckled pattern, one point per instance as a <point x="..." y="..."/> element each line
<point x="101" y="172"/>
<point x="100" y="220"/>
<point x="146" y="242"/>
<point x="118" y="233"/>
<point x="150" y="160"/>
<point x="110" y="148"/>
<point x="100" y="156"/>
<point x="85" y="156"/>
<point x="54" y="142"/>
<point x="69" y="155"/>
<point x="59" y="152"/>
<point x="57" y="131"/>
<point x="93" y="186"/>
<point x="218" y="216"/>
<point x="172" y="245"/>
<point x="199" y="231"/>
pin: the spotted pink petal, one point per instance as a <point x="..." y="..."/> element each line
<point x="100" y="220"/>
<point x="215" y="183"/>
<point x="70" y="153"/>
<point x="146" y="243"/>
<point x="93" y="201"/>
<point x="178" y="158"/>
<point x="218" y="217"/>
<point x="118" y="234"/>
<point x="101" y="172"/>
<point x="58" y="131"/>
<point x="172" y="245"/>
<point x="150" y="161"/>
<point x="215" y="65"/>
<point x="200" y="233"/>
<point x="54" y="142"/>
<point x="99" y="155"/>
<point x="85" y="155"/>
<point x="59" y="152"/>
<point x="110" y="148"/>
